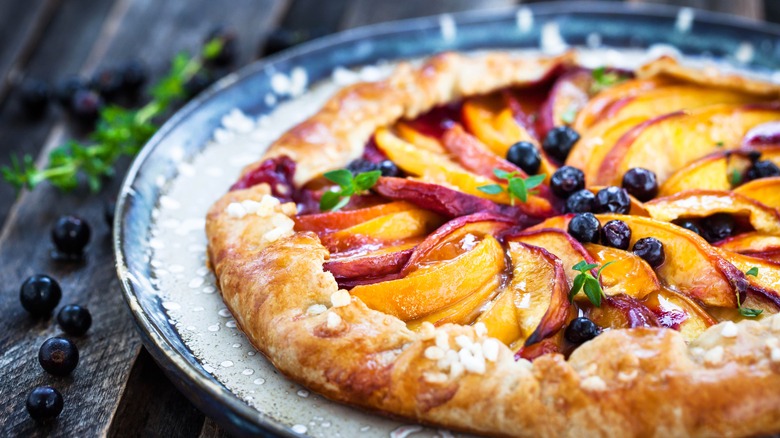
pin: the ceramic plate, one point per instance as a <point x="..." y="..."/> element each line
<point x="193" y="159"/>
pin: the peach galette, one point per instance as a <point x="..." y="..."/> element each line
<point x="524" y="247"/>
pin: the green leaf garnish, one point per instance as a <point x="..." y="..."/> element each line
<point x="118" y="132"/>
<point x="719" y="144"/>
<point x="745" y="311"/>
<point x="586" y="282"/>
<point x="517" y="187"/>
<point x="569" y="115"/>
<point x="602" y="79"/>
<point x="752" y="271"/>
<point x="735" y="178"/>
<point x="334" y="200"/>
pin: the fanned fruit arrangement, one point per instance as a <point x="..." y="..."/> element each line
<point x="589" y="200"/>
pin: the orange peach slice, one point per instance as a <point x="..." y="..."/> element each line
<point x="541" y="291"/>
<point x="627" y="273"/>
<point x="702" y="203"/>
<point x="764" y="190"/>
<point x="338" y="220"/>
<point x="692" y="266"/>
<point x="500" y="318"/>
<point x="752" y="243"/>
<point x="667" y="143"/>
<point x="594" y="110"/>
<point x="383" y="261"/>
<point x="619" y="312"/>
<point x="560" y="244"/>
<point x="464" y="311"/>
<point x="435" y="287"/>
<point x="388" y="228"/>
<point x="595" y="143"/>
<point x="417" y="138"/>
<point x="767" y="279"/>
<point x="679" y="312"/>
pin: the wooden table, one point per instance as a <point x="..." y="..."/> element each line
<point x="117" y="389"/>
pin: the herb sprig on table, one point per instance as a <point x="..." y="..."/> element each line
<point x="119" y="132"/>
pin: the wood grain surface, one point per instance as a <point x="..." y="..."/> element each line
<point x="117" y="389"/>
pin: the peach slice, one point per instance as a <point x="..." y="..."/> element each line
<point x="500" y="318"/>
<point x="676" y="311"/>
<point x="473" y="155"/>
<point x="567" y="97"/>
<point x="435" y="287"/>
<point x="767" y="279"/>
<point x="619" y="312"/>
<point x="627" y="274"/>
<point x="541" y="291"/>
<point x="669" y="142"/>
<point x="464" y="311"/>
<point x="753" y="243"/>
<point x="764" y="190"/>
<point x="417" y="138"/>
<point x="558" y="243"/>
<point x="594" y="110"/>
<point x="338" y="220"/>
<point x="702" y="203"/>
<point x="391" y="227"/>
<point x="692" y="266"/>
<point x="378" y="263"/>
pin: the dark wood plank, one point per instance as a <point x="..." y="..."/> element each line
<point x="154" y="30"/>
<point x="21" y="27"/>
<point x="212" y="430"/>
<point x="747" y="8"/>
<point x="362" y="12"/>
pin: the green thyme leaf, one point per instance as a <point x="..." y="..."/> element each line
<point x="517" y="187"/>
<point x="576" y="286"/>
<point x="592" y="290"/>
<point x="349" y="185"/>
<point x="502" y="174"/>
<point x="584" y="266"/>
<point x="329" y="200"/>
<point x="752" y="271"/>
<point x="749" y="313"/>
<point x="569" y="115"/>
<point x="366" y="180"/>
<point x="589" y="284"/>
<point x="603" y="79"/>
<point x="342" y="177"/>
<point x="492" y="189"/>
<point x="719" y="144"/>
<point x="735" y="178"/>
<point x="534" y="181"/>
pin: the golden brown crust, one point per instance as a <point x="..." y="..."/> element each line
<point x="640" y="382"/>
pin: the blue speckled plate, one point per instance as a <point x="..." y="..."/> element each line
<point x="746" y="44"/>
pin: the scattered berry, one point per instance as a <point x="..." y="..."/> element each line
<point x="74" y="319"/>
<point x="70" y="235"/>
<point x="566" y="181"/>
<point x="641" y="183"/>
<point x="616" y="234"/>
<point x="762" y="169"/>
<point x="85" y="106"/>
<point x="717" y="227"/>
<point x="58" y="356"/>
<point x="688" y="225"/>
<point x="108" y="83"/>
<point x="134" y="76"/>
<point x="228" y="50"/>
<point x="524" y="155"/>
<point x="44" y="403"/>
<point x="585" y="228"/>
<point x="651" y="250"/>
<point x="559" y="141"/>
<point x="580" y="201"/>
<point x="612" y="200"/>
<point x="34" y="97"/>
<point x="387" y="167"/>
<point x="40" y="294"/>
<point x="282" y="39"/>
<point x="67" y="88"/>
<point x="581" y="330"/>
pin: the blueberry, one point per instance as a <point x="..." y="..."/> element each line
<point x="228" y="50"/>
<point x="524" y="155"/>
<point x="717" y="227"/>
<point x="67" y="88"/>
<point x="134" y="76"/>
<point x="612" y="200"/>
<point x="40" y="294"/>
<point x="651" y="250"/>
<point x="58" y="356"/>
<point x="70" y="235"/>
<point x="585" y="228"/>
<point x="85" y="106"/>
<point x="74" y="319"/>
<point x="387" y="167"/>
<point x="108" y="213"/>
<point x="559" y="141"/>
<point x="581" y="330"/>
<point x="688" y="225"/>
<point x="34" y="97"/>
<point x="580" y="201"/>
<point x="566" y="181"/>
<point x="641" y="183"/>
<point x="616" y="234"/>
<point x="44" y="403"/>
<point x="107" y="82"/>
<point x="762" y="169"/>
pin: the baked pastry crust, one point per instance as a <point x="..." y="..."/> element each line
<point x="637" y="382"/>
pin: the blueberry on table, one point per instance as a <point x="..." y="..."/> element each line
<point x="70" y="235"/>
<point x="107" y="82"/>
<point x="67" y="88"/>
<point x="585" y="228"/>
<point x="717" y="227"/>
<point x="650" y="250"/>
<point x="566" y="181"/>
<point x="34" y="97"/>
<point x="612" y="200"/>
<point x="581" y="330"/>
<point x="74" y="320"/>
<point x="559" y="141"/>
<point x="762" y="169"/>
<point x="44" y="403"/>
<point x="616" y="234"/>
<point x="689" y="225"/>
<point x="85" y="106"/>
<point x="580" y="201"/>
<point x="524" y="155"/>
<point x="641" y="183"/>
<point x="40" y="294"/>
<point x="58" y="356"/>
<point x="134" y="75"/>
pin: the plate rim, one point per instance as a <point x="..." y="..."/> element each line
<point x="200" y="388"/>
